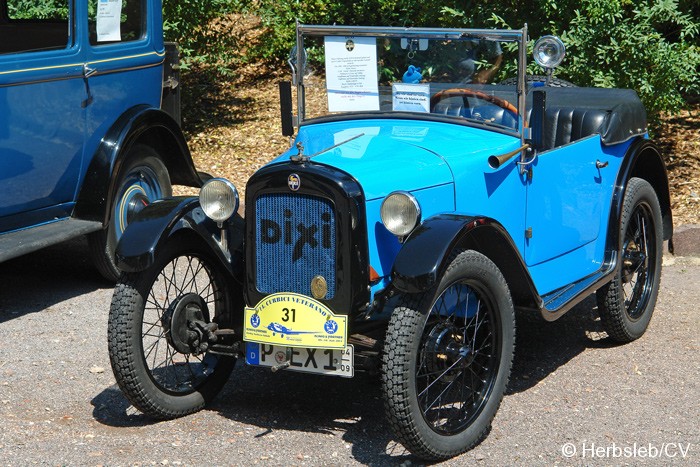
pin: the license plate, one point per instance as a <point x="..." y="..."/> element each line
<point x="331" y="362"/>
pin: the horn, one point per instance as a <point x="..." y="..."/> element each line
<point x="497" y="161"/>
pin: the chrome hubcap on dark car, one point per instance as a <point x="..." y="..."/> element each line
<point x="140" y="187"/>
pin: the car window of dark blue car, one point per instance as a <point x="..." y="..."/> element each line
<point x="114" y="21"/>
<point x="31" y="25"/>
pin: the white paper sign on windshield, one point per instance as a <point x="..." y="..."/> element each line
<point x="351" y="73"/>
<point x="109" y="14"/>
<point x="410" y="97"/>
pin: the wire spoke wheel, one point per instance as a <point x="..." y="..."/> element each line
<point x="457" y="363"/>
<point x="627" y="302"/>
<point x="159" y="332"/>
<point x="447" y="359"/>
<point x="171" y="369"/>
<point x="637" y="279"/>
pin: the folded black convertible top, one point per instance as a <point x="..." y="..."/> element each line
<point x="625" y="117"/>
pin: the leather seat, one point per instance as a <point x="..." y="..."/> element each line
<point x="563" y="125"/>
<point x="491" y="113"/>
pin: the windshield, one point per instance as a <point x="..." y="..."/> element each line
<point x="463" y="75"/>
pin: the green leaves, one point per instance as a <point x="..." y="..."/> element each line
<point x="652" y="46"/>
<point x="647" y="46"/>
<point x="31" y="9"/>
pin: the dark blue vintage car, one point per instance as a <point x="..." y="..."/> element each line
<point x="433" y="188"/>
<point x="89" y="112"/>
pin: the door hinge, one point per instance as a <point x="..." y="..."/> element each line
<point x="528" y="232"/>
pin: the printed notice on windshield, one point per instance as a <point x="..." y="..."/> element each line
<point x="411" y="97"/>
<point x="109" y="14"/>
<point x="351" y="73"/>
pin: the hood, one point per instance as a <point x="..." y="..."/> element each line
<point x="385" y="155"/>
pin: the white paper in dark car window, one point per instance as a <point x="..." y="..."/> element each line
<point x="109" y="20"/>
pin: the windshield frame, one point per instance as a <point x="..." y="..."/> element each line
<point x="513" y="35"/>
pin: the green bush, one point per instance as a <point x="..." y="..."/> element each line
<point x="189" y="23"/>
<point x="31" y="9"/>
<point x="651" y="47"/>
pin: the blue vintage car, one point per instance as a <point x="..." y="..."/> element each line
<point x="89" y="125"/>
<point x="432" y="189"/>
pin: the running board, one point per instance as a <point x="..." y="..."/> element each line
<point x="558" y="302"/>
<point x="21" y="242"/>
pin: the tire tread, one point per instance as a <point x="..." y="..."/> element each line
<point x="404" y="324"/>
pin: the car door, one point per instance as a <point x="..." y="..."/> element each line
<point x="42" y="123"/>
<point x="565" y="196"/>
<point x="125" y="56"/>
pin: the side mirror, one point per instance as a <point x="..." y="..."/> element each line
<point x="286" y="108"/>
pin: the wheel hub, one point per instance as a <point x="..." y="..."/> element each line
<point x="182" y="322"/>
<point x="447" y="352"/>
<point x="135" y="205"/>
<point x="633" y="257"/>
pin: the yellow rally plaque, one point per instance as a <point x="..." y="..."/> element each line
<point x="294" y="320"/>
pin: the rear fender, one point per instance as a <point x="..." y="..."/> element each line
<point x="426" y="253"/>
<point x="144" y="125"/>
<point x="642" y="160"/>
<point x="178" y="217"/>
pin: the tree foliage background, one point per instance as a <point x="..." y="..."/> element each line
<point x="652" y="46"/>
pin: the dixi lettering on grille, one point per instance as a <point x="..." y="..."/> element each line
<point x="297" y="235"/>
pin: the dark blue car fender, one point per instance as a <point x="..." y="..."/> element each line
<point x="140" y="124"/>
<point x="427" y="251"/>
<point x="180" y="216"/>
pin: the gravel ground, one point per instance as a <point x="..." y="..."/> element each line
<point x="613" y="405"/>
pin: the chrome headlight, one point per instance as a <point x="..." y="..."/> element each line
<point x="549" y="51"/>
<point x="219" y="199"/>
<point x="400" y="213"/>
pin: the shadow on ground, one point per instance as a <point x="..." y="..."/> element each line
<point x="316" y="404"/>
<point x="37" y="281"/>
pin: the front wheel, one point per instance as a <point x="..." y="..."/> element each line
<point x="626" y="303"/>
<point x="447" y="359"/>
<point x="157" y="323"/>
<point x="143" y="180"/>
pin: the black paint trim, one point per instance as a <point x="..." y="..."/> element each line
<point x="643" y="159"/>
<point x="352" y="275"/>
<point x="427" y="252"/>
<point x="160" y="221"/>
<point x="142" y="124"/>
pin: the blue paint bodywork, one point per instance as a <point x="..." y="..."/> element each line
<point x="63" y="114"/>
<point x="54" y="117"/>
<point x="547" y="214"/>
<point x="567" y="202"/>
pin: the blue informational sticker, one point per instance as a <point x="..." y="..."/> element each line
<point x="252" y="353"/>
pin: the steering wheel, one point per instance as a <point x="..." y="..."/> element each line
<point x="465" y="93"/>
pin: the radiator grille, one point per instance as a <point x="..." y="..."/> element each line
<point x="295" y="241"/>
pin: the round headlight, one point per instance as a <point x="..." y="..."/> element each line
<point x="549" y="51"/>
<point x="400" y="213"/>
<point x="219" y="199"/>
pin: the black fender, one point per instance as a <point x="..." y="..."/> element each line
<point x="642" y="160"/>
<point x="179" y="217"/>
<point x="140" y="124"/>
<point x="427" y="251"/>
